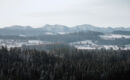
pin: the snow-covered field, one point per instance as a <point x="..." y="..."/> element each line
<point x="52" y="33"/>
<point x="89" y="45"/>
<point x="86" y="44"/>
<point x="107" y="47"/>
<point x="114" y="36"/>
<point x="20" y="43"/>
<point x="49" y="33"/>
<point x="83" y="47"/>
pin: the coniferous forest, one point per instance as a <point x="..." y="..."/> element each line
<point x="64" y="39"/>
<point x="64" y="64"/>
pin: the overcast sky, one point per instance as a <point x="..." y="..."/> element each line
<point x="37" y="13"/>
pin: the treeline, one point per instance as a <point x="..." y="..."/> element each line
<point x="121" y="32"/>
<point x="119" y="42"/>
<point x="64" y="64"/>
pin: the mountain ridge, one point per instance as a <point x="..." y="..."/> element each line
<point x="56" y="29"/>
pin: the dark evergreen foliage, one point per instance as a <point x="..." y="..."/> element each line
<point x="64" y="64"/>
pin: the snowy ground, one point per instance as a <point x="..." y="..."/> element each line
<point x="114" y="36"/>
<point x="19" y="43"/>
<point x="89" y="45"/>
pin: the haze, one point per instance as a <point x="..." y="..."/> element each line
<point x="36" y="13"/>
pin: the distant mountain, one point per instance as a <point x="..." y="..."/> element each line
<point x="55" y="30"/>
<point x="87" y="27"/>
<point x="18" y="27"/>
<point x="20" y="30"/>
<point x="70" y="37"/>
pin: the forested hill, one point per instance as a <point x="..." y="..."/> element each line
<point x="77" y="36"/>
<point x="18" y="30"/>
<point x="64" y="64"/>
<point x="122" y="32"/>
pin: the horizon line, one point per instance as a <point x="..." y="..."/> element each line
<point x="64" y="25"/>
